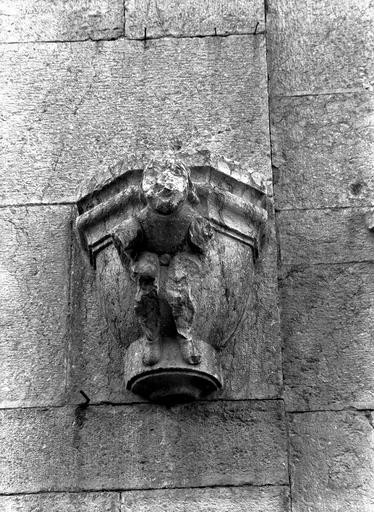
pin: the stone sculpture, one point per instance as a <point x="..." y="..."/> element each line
<point x="174" y="247"/>
<point x="166" y="232"/>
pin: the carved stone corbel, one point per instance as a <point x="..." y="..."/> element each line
<point x="173" y="246"/>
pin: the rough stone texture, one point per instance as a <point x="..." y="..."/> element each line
<point x="332" y="462"/>
<point x="320" y="45"/>
<point x="74" y="502"/>
<point x="269" y="499"/>
<point x="328" y="329"/>
<point x="192" y="18"/>
<point x="143" y="446"/>
<point x="323" y="151"/>
<point x="72" y="109"/>
<point x="96" y="359"/>
<point x="309" y="237"/>
<point x="35" y="258"/>
<point x="251" y="361"/>
<point x="60" y="20"/>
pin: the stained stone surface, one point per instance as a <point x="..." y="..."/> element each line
<point x="192" y="18"/>
<point x="323" y="151"/>
<point x="62" y="502"/>
<point x="327" y="325"/>
<point x="143" y="446"/>
<point x="72" y="109"/>
<point x="60" y="20"/>
<point x="320" y="46"/>
<point x="34" y="262"/>
<point x="310" y="237"/>
<point x="332" y="461"/>
<point x="269" y="499"/>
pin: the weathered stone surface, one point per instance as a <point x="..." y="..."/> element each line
<point x="269" y="499"/>
<point x="251" y="361"/>
<point x="143" y="446"/>
<point x="192" y="18"/>
<point x="322" y="151"/>
<point x="328" y="336"/>
<point x="64" y="502"/>
<point x="70" y="110"/>
<point x="310" y="237"/>
<point x="332" y="461"/>
<point x="322" y="45"/>
<point x="60" y="20"/>
<point x="96" y="359"/>
<point x="35" y="257"/>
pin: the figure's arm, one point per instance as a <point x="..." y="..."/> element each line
<point x="127" y="238"/>
<point x="199" y="233"/>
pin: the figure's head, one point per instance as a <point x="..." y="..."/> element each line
<point x="166" y="184"/>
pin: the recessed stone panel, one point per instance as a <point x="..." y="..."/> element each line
<point x="322" y="151"/>
<point x="332" y="461"/>
<point x="328" y="328"/>
<point x="143" y="446"/>
<point x="320" y="46"/>
<point x="34" y="262"/>
<point x="73" y="109"/>
<point x="60" y="20"/>
<point x="219" y="499"/>
<point x="193" y="18"/>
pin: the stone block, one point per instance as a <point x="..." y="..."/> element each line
<point x="35" y="259"/>
<point x="60" y="20"/>
<point x="320" y="46"/>
<point x="310" y="237"/>
<point x="332" y="461"/>
<point x="193" y="18"/>
<point x="143" y="446"/>
<point x="327" y="320"/>
<point x="322" y="151"/>
<point x="219" y="499"/>
<point x="71" y="110"/>
<point x="61" y="502"/>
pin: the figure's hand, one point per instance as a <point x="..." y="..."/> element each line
<point x="199" y="233"/>
<point x="127" y="238"/>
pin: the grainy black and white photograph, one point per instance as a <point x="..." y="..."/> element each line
<point x="187" y="256"/>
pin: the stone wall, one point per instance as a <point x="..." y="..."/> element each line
<point x="89" y="82"/>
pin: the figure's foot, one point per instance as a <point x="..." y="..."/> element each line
<point x="152" y="352"/>
<point x="189" y="351"/>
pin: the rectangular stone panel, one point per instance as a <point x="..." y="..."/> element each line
<point x="320" y="46"/>
<point x="143" y="446"/>
<point x="323" y="151"/>
<point x="61" y="502"/>
<point x="193" y="18"/>
<point x="253" y="499"/>
<point x="34" y="298"/>
<point x="328" y="330"/>
<point x="332" y="461"/>
<point x="71" y="110"/>
<point x="60" y="20"/>
<point x="309" y="237"/>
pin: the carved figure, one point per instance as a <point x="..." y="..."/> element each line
<point x="167" y="232"/>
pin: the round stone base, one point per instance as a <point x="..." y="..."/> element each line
<point x="173" y="386"/>
<point x="172" y="380"/>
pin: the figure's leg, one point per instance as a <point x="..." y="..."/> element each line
<point x="147" y="307"/>
<point x="182" y="306"/>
